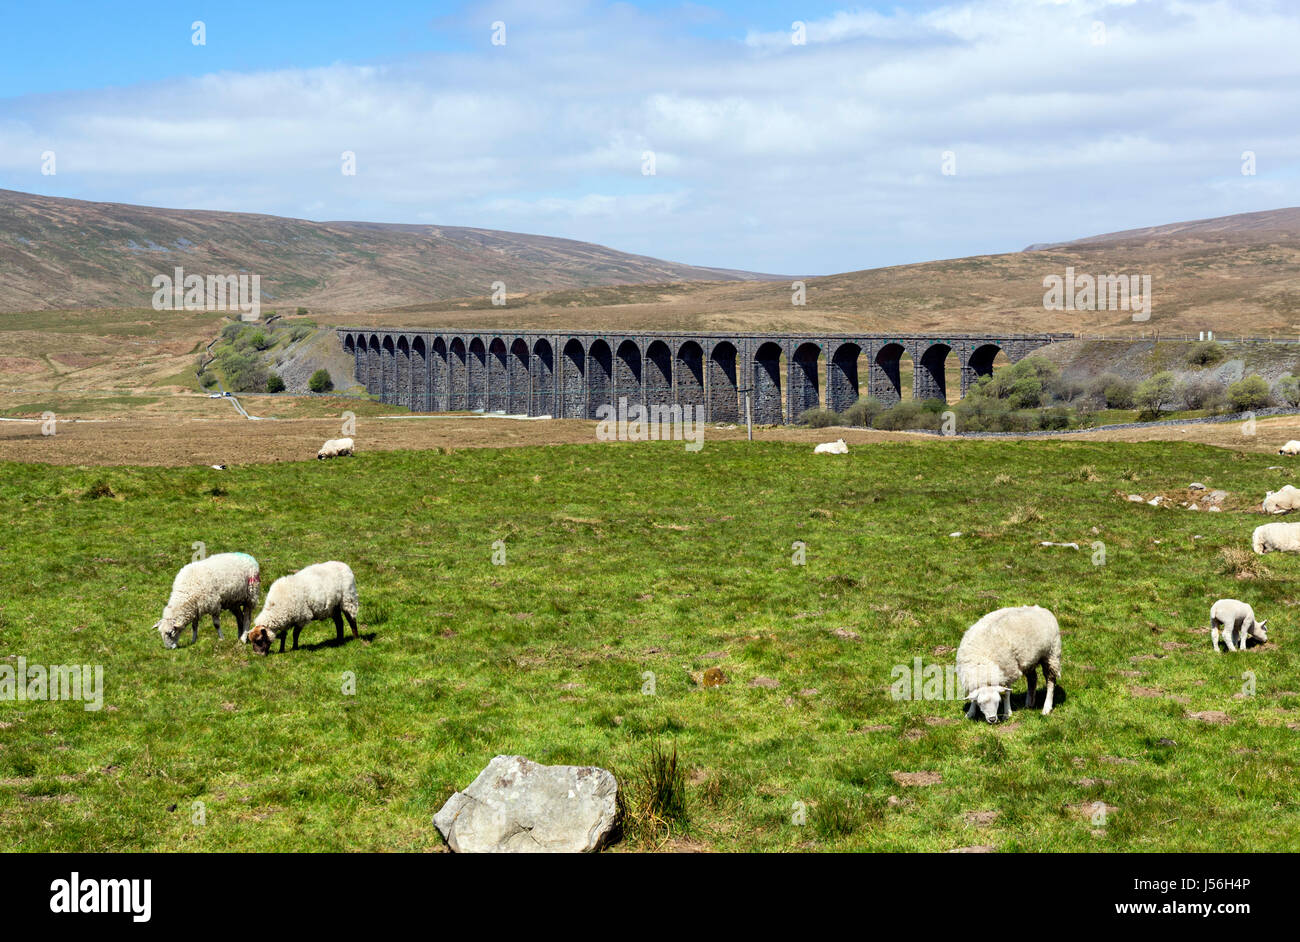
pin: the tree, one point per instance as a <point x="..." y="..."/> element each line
<point x="320" y="381"/>
<point x="1155" y="392"/>
<point x="274" y="383"/>
<point x="1249" y="393"/>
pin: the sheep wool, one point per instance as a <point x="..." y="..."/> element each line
<point x="837" y="447"/>
<point x="1238" y="618"/>
<point x="323" y="590"/>
<point x="1276" y="538"/>
<point x="1000" y="647"/>
<point x="1280" y="502"/>
<point x="225" y="580"/>
<point x="335" y="448"/>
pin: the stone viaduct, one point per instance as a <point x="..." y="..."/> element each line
<point x="570" y="374"/>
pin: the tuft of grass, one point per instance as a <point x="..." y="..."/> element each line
<point x="654" y="805"/>
<point x="1241" y="563"/>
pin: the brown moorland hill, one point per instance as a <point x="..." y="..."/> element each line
<point x="1234" y="275"/>
<point x="62" y="253"/>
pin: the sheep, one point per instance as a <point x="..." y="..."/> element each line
<point x="1276" y="538"/>
<point x="1280" y="502"/>
<point x="335" y="448"/>
<point x="318" y="591"/>
<point x="1290" y="449"/>
<point x="225" y="580"/>
<point x="999" y="648"/>
<point x="832" y="448"/>
<point x="1232" y="615"/>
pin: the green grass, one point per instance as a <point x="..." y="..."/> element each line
<point x="623" y="559"/>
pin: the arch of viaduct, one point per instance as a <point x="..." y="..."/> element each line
<point x="571" y="374"/>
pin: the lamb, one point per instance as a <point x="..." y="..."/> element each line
<point x="1276" y="538"/>
<point x="335" y="448"/>
<point x="1232" y="615"/>
<point x="225" y="580"/>
<point x="1291" y="448"/>
<point x="832" y="448"/>
<point x="319" y="591"/>
<point x="999" y="648"/>
<point x="1280" y="502"/>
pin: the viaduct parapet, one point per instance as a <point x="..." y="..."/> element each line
<point x="571" y="374"/>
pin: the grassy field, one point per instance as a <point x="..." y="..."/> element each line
<point x="627" y="559"/>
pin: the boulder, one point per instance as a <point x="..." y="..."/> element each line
<point x="518" y="806"/>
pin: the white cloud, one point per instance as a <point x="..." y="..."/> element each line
<point x="769" y="156"/>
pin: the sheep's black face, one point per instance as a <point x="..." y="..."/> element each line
<point x="261" y="640"/>
<point x="169" y="635"/>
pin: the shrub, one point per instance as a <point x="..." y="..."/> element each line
<point x="907" y="415"/>
<point x="299" y="332"/>
<point x="208" y="379"/>
<point x="274" y="383"/>
<point x="1249" y="393"/>
<point x="258" y="340"/>
<point x="1155" y="392"/>
<point x="820" y="418"/>
<point x="244" y="373"/>
<point x="1205" y="353"/>
<point x="1201" y="392"/>
<point x="320" y="381"/>
<point x="1288" y="390"/>
<point x="1023" y="384"/>
<point x="1112" y="391"/>
<point x="302" y="311"/>
<point x="863" y="412"/>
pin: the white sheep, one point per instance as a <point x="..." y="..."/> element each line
<point x="1291" y="448"/>
<point x="1000" y="647"/>
<point x="1280" y="502"/>
<point x="323" y="590"/>
<point x="231" y="581"/>
<point x="1238" y="617"/>
<point x="1276" y="538"/>
<point x="335" y="448"/>
<point x="837" y="447"/>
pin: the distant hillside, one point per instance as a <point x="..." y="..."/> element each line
<point x="62" y="253"/>
<point x="1234" y="275"/>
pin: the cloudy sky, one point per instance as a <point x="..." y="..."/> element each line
<point x="1060" y="118"/>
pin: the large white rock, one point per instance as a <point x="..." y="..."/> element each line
<point x="518" y="806"/>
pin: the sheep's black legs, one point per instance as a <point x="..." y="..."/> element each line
<point x="338" y="626"/>
<point x="194" y="632"/>
<point x="216" y="623"/>
<point x="296" y="630"/>
<point x="282" y="636"/>
<point x="1031" y="675"/>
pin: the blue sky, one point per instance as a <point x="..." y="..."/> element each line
<point x="1062" y="118"/>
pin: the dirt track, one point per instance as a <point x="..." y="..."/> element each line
<point x="232" y="441"/>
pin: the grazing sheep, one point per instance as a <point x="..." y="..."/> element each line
<point x="1280" y="502"/>
<point x="335" y="448"/>
<point x="225" y="580"/>
<point x="1291" y="448"/>
<point x="1276" y="538"/>
<point x="1232" y="615"/>
<point x="324" y="590"/>
<point x="832" y="448"/>
<point x="999" y="648"/>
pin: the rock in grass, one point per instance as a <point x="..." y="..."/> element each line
<point x="519" y="806"/>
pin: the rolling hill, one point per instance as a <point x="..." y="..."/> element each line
<point x="1234" y="275"/>
<point x="62" y="253"/>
